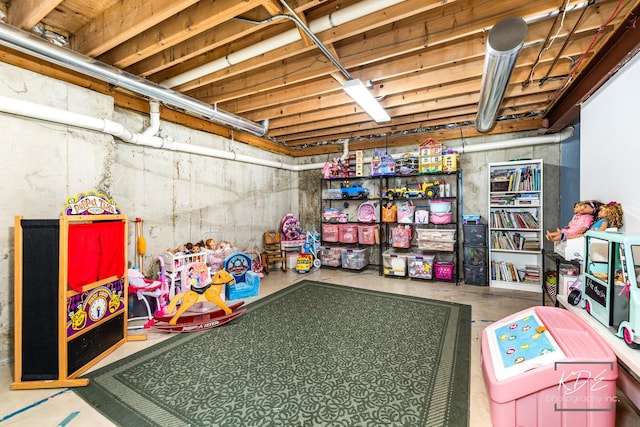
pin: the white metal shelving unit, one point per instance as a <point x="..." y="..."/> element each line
<point x="516" y="224"/>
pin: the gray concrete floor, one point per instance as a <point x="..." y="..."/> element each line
<point x="51" y="407"/>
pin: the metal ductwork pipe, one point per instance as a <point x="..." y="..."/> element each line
<point x="505" y="40"/>
<point x="35" y="46"/>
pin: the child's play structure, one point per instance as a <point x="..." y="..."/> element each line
<point x="70" y="291"/>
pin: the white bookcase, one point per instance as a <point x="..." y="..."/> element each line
<point x="516" y="225"/>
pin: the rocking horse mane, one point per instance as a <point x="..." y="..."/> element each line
<point x="222" y="277"/>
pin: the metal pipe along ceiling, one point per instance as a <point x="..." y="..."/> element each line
<point x="505" y="40"/>
<point x="35" y="46"/>
<point x="335" y="19"/>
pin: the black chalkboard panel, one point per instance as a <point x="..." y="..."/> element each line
<point x="39" y="317"/>
<point x="93" y="343"/>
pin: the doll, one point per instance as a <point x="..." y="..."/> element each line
<point x="583" y="217"/>
<point x="609" y="216"/>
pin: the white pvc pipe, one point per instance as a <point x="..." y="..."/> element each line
<point x="50" y="114"/>
<point x="154" y="118"/>
<point x="339" y="17"/>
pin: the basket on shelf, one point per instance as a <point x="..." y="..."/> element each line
<point x="443" y="270"/>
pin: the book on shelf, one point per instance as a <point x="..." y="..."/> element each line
<point x="532" y="274"/>
<point x="505" y="271"/>
<point x="515" y="219"/>
<point x="514" y="241"/>
<point x="516" y="179"/>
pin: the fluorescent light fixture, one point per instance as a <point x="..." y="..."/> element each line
<point x="363" y="97"/>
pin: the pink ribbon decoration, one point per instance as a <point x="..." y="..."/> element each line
<point x="625" y="288"/>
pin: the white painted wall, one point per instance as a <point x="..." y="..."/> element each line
<point x="610" y="144"/>
<point x="181" y="197"/>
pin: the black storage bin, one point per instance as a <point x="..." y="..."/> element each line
<point x="476" y="275"/>
<point x="475" y="255"/>
<point x="475" y="234"/>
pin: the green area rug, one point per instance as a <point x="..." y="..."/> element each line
<point x="312" y="354"/>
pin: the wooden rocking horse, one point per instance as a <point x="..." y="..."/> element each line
<point x="200" y="289"/>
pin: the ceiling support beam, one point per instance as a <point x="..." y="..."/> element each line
<point x="26" y="14"/>
<point x="621" y="46"/>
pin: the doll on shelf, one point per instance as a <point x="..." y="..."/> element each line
<point x="609" y="216"/>
<point x="584" y="213"/>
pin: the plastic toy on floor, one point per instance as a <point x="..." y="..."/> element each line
<point x="202" y="288"/>
<point x="143" y="289"/>
<point x="304" y="263"/>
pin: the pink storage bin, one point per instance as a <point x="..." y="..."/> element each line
<point x="367" y="234"/>
<point x="348" y="233"/>
<point x="444" y="218"/>
<point x="443" y="270"/>
<point x="330" y="232"/>
<point x="401" y="236"/>
<point x="405" y="214"/>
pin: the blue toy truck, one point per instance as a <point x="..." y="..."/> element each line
<point x="354" y="191"/>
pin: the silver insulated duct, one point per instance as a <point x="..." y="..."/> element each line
<point x="35" y="46"/>
<point x="505" y="40"/>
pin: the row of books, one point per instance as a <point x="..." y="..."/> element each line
<point x="515" y="199"/>
<point x="514" y="241"/>
<point x="516" y="179"/>
<point x="507" y="271"/>
<point x="513" y="219"/>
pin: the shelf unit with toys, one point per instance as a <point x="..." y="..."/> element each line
<point x="420" y="240"/>
<point x="350" y="222"/>
<point x="516" y="224"/>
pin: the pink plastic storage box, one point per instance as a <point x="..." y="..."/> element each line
<point x="348" y="233"/>
<point x="401" y="236"/>
<point x="367" y="234"/>
<point x="330" y="232"/>
<point x="443" y="270"/>
<point x="544" y="366"/>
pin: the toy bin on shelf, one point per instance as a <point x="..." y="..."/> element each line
<point x="434" y="245"/>
<point x="330" y="233"/>
<point x="420" y="265"/>
<point x="368" y="234"/>
<point x="330" y="256"/>
<point x="401" y="236"/>
<point x="355" y="259"/>
<point x="393" y="263"/>
<point x="348" y="233"/>
<point x="443" y="270"/>
<point x="545" y="366"/>
<point x="436" y="235"/>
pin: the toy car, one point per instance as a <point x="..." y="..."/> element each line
<point x="354" y="191"/>
<point x="304" y="263"/>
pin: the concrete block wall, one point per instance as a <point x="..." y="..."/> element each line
<point x="180" y="197"/>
